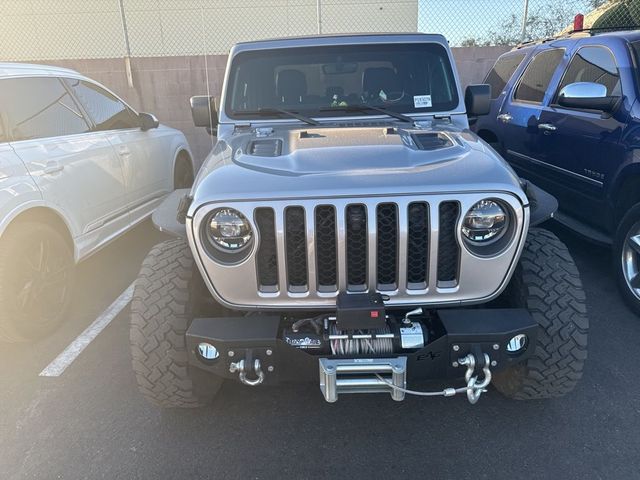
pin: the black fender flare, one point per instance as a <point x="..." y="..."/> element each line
<point x="170" y="215"/>
<point x="542" y="205"/>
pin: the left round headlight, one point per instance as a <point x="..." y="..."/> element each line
<point x="228" y="230"/>
<point x="485" y="223"/>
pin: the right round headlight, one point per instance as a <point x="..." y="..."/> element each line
<point x="228" y="230"/>
<point x="485" y="223"/>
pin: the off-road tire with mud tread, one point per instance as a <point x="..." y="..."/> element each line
<point x="547" y="283"/>
<point x="161" y="312"/>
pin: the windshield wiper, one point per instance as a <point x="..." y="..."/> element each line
<point x="363" y="107"/>
<point x="272" y="111"/>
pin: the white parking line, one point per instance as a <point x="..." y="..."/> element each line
<point x="73" y="351"/>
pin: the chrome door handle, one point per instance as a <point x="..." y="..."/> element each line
<point x="546" y="127"/>
<point x="504" y="117"/>
<point x="52" y="168"/>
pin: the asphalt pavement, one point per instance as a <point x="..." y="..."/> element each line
<point x="90" y="422"/>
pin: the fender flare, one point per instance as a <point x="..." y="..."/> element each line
<point x="542" y="205"/>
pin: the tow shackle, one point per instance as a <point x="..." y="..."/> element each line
<point x="475" y="388"/>
<point x="240" y="367"/>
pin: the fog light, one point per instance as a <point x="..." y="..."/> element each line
<point x="208" y="351"/>
<point x="517" y="343"/>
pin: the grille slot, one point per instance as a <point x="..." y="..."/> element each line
<point x="448" y="249"/>
<point x="418" y="245"/>
<point x="356" y="218"/>
<point x="267" y="259"/>
<point x="326" y="253"/>
<point x="387" y="245"/>
<point x="296" y="248"/>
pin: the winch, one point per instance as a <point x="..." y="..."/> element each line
<point x="359" y="327"/>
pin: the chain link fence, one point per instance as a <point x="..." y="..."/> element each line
<point x="40" y="30"/>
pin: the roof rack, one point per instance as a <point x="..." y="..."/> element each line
<point x="583" y="32"/>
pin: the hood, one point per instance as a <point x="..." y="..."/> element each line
<point x="349" y="150"/>
<point x="339" y="161"/>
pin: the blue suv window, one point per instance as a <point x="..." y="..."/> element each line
<point x="593" y="64"/>
<point x="502" y="71"/>
<point x="537" y="75"/>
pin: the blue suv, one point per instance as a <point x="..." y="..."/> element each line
<point x="565" y="114"/>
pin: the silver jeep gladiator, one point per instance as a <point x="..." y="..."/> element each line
<point x="347" y="228"/>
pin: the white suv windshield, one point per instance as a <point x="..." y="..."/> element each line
<point x="330" y="81"/>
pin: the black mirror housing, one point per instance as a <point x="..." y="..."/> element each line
<point x="604" y="104"/>
<point x="148" y="121"/>
<point x="203" y="112"/>
<point x="477" y="100"/>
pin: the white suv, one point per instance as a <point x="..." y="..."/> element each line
<point x="78" y="167"/>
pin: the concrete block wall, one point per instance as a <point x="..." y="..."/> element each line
<point x="473" y="63"/>
<point x="163" y="85"/>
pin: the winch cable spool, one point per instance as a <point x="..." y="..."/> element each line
<point x="473" y="389"/>
<point x="351" y="345"/>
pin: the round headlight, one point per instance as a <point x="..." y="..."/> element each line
<point x="228" y="230"/>
<point x="485" y="222"/>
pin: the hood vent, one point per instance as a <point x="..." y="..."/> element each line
<point x="431" y="141"/>
<point x="265" y="148"/>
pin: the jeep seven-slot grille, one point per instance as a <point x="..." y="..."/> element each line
<point x="398" y="232"/>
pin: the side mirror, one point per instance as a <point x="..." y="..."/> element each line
<point x="203" y="111"/>
<point x="587" y="96"/>
<point x="477" y="100"/>
<point x="148" y="121"/>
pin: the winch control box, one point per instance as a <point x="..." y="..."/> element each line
<point x="360" y="311"/>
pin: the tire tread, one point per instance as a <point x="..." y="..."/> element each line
<point x="160" y="316"/>
<point x="548" y="284"/>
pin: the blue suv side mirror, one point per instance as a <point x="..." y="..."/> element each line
<point x="587" y="95"/>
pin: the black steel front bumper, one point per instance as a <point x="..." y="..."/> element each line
<point x="456" y="333"/>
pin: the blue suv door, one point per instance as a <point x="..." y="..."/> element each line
<point x="520" y="115"/>
<point x="582" y="146"/>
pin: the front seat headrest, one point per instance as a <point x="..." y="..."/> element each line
<point x="291" y="86"/>
<point x="379" y="78"/>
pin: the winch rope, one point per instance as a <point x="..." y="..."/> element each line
<point x="358" y="346"/>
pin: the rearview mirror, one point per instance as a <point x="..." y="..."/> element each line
<point x="477" y="100"/>
<point x="587" y="96"/>
<point x="148" y="121"/>
<point x="203" y="111"/>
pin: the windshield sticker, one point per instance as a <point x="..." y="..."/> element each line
<point x="382" y="95"/>
<point x="422" y="101"/>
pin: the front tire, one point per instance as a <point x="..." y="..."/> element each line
<point x="547" y="283"/>
<point x="164" y="302"/>
<point x="37" y="274"/>
<point x="626" y="258"/>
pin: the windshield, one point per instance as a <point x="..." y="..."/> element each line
<point x="325" y="81"/>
